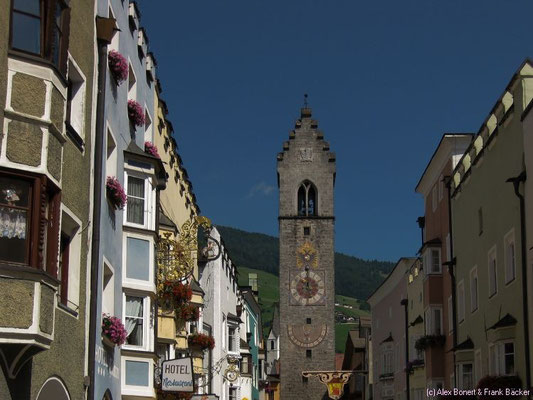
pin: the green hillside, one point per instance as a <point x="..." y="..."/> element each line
<point x="354" y="277"/>
<point x="269" y="295"/>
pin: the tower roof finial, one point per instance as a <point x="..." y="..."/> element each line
<point x="305" y="111"/>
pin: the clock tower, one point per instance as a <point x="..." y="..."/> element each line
<point x="306" y="178"/>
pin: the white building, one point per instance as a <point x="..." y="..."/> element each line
<point x="221" y="319"/>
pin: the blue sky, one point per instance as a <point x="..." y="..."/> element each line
<point x="385" y="80"/>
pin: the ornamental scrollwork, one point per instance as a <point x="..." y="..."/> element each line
<point x="176" y="257"/>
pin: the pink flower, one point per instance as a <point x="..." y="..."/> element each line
<point x="135" y="113"/>
<point x="115" y="193"/>
<point x="118" y="65"/>
<point x="114" y="329"/>
<point x="151" y="149"/>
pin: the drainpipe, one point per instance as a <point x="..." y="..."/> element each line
<point x="451" y="265"/>
<point x="404" y="303"/>
<point x="103" y="27"/>
<point x="516" y="183"/>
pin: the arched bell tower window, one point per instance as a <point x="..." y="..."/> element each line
<point x="307" y="196"/>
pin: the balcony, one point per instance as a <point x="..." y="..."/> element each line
<point x="27" y="315"/>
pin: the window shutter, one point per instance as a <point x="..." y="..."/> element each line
<point x="49" y="12"/>
<point x="63" y="57"/>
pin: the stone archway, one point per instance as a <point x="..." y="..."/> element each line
<point x="53" y="389"/>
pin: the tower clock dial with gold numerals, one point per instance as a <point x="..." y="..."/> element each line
<point x="307" y="288"/>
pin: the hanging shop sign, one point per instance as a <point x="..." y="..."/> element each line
<point x="177" y="375"/>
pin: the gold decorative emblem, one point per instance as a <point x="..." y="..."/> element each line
<point x="307" y="335"/>
<point x="334" y="380"/>
<point x="307" y="256"/>
<point x="176" y="257"/>
<point x="231" y="373"/>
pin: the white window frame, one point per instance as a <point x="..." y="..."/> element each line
<point x="147" y="315"/>
<point x="77" y="123"/>
<point x="73" y="224"/>
<point x="492" y="260"/>
<point x="474" y="297"/>
<point x="132" y="89"/>
<point x="148" y="130"/>
<point x="431" y="328"/>
<point x="111" y="158"/>
<point x="149" y="200"/>
<point x="461" y="304"/>
<point x="131" y="283"/>
<point x="108" y="292"/>
<point x="460" y="375"/>
<point x="510" y="259"/>
<point x="115" y="40"/>
<point x="428" y="261"/>
<point x="131" y="390"/>
<point x="236" y="338"/>
<point x="497" y="357"/>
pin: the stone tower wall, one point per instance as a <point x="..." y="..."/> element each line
<point x="306" y="157"/>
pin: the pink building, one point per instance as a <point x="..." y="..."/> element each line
<point x="388" y="334"/>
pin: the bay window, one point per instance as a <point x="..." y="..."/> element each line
<point x="29" y="221"/>
<point x="432" y="262"/>
<point x="433" y="317"/>
<point x="15" y="219"/>
<point x="141" y="198"/>
<point x="137" y="376"/>
<point x="501" y="358"/>
<point x="41" y="28"/>
<point x="466" y="376"/>
<point x="138" y="261"/>
<point x="136" y="318"/>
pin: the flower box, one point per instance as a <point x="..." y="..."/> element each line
<point x="174" y="294"/>
<point x="113" y="331"/>
<point x="118" y="65"/>
<point x="428" y="341"/>
<point x="151" y="149"/>
<point x="188" y="312"/>
<point x="135" y="113"/>
<point x="202" y="341"/>
<point x="115" y="193"/>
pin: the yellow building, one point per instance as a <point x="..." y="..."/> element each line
<point x="177" y="250"/>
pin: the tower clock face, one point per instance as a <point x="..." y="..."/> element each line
<point x="306" y="256"/>
<point x="307" y="335"/>
<point x="307" y="288"/>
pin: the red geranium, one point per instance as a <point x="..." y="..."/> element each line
<point x="118" y="65"/>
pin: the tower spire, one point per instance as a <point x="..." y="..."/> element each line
<point x="305" y="112"/>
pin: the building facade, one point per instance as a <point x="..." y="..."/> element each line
<point x="388" y="334"/>
<point x="488" y="243"/>
<point x="306" y="178"/>
<point x="222" y="320"/>
<point x="47" y="83"/>
<point x="416" y="330"/>
<point x="125" y="250"/>
<point x="435" y="253"/>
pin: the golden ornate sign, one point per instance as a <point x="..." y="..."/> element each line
<point x="176" y="257"/>
<point x="334" y="380"/>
